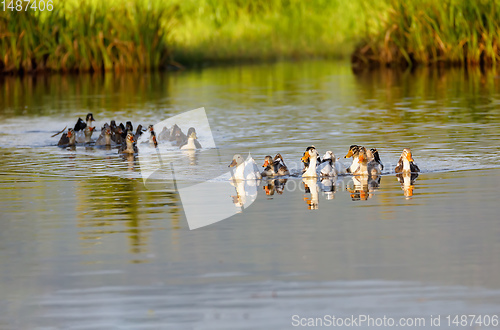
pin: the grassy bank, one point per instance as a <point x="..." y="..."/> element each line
<point x="141" y="34"/>
<point x="85" y="36"/>
<point x="96" y="35"/>
<point x="450" y="32"/>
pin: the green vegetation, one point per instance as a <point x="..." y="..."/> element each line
<point x="146" y="34"/>
<point x="246" y="30"/>
<point x="85" y="36"/>
<point x="452" y="32"/>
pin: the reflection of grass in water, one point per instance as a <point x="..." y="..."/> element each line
<point x="115" y="205"/>
<point x="440" y="96"/>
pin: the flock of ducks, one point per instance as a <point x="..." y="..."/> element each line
<point x="365" y="162"/>
<point x="124" y="137"/>
<point x="366" y="166"/>
<point x="321" y="172"/>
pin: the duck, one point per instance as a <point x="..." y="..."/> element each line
<point x="130" y="147"/>
<point x="354" y="153"/>
<point x="269" y="169"/>
<point x="88" y="133"/>
<point x="129" y="127"/>
<point x="152" y="137"/>
<point x="191" y="142"/>
<point x="406" y="163"/>
<point x="81" y="125"/>
<point x="164" y="135"/>
<point x="138" y="133"/>
<point x="244" y="170"/>
<point x="374" y="158"/>
<point x="83" y="129"/>
<point x="67" y="139"/>
<point x="328" y="165"/>
<point x="305" y="159"/>
<point x="177" y="136"/>
<point x="362" y="162"/>
<point x="375" y="166"/>
<point x="366" y="166"/>
<point x="310" y="160"/>
<point x="274" y="166"/>
<point x="105" y="138"/>
<point x="118" y="134"/>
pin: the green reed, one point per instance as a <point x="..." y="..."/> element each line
<point x="453" y="32"/>
<point x="96" y="35"/>
<point x="85" y="36"/>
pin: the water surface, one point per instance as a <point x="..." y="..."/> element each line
<point x="84" y="244"/>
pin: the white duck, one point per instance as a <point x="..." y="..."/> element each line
<point x="327" y="167"/>
<point x="245" y="169"/>
<point x="311" y="158"/>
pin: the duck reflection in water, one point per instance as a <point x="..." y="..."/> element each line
<point x="407" y="181"/>
<point x="328" y="186"/>
<point x="192" y="155"/>
<point x="311" y="187"/>
<point x="245" y="178"/>
<point x="364" y="186"/>
<point x="130" y="159"/>
<point x="273" y="186"/>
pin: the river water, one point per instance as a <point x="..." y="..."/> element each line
<point x="86" y="243"/>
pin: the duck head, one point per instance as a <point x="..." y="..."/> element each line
<point x="192" y="133"/>
<point x="130" y="138"/>
<point x="407" y="154"/>
<point x="89" y="118"/>
<point x="267" y="161"/>
<point x="237" y="160"/>
<point x="353" y="151"/>
<point x="375" y="154"/>
<point x="310" y="152"/>
<point x="363" y="156"/>
<point x="71" y="136"/>
<point x="329" y="155"/>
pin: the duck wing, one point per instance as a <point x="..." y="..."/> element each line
<point x="399" y="167"/>
<point x="197" y="144"/>
<point x="414" y="167"/>
<point x="80" y="125"/>
<point x="64" y="140"/>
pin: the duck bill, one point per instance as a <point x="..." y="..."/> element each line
<point x="305" y="158"/>
<point x="266" y="163"/>
<point x="361" y="158"/>
<point x="233" y="163"/>
<point x="69" y="134"/>
<point x="349" y="154"/>
<point x="408" y="156"/>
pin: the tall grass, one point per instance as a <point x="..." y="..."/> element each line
<point x="85" y="36"/>
<point x="235" y="30"/>
<point x="95" y="35"/>
<point x="454" y="32"/>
